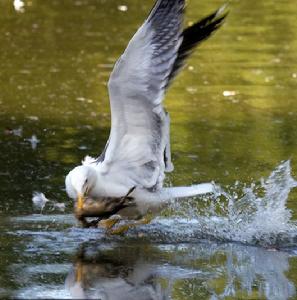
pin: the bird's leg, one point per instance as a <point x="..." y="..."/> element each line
<point x="124" y="228"/>
<point x="108" y="223"/>
<point x="121" y="229"/>
<point x="114" y="219"/>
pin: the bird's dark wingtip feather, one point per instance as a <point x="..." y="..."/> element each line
<point x="195" y="34"/>
<point x="223" y="10"/>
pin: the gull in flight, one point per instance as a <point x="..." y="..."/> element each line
<point x="129" y="174"/>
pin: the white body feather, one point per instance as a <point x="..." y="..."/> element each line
<point x="137" y="154"/>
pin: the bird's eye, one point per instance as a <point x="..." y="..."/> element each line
<point x="86" y="181"/>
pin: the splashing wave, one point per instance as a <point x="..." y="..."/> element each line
<point x="256" y="215"/>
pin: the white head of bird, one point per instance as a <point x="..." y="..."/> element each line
<point x="80" y="182"/>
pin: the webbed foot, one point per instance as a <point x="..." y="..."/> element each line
<point x="124" y="228"/>
<point x="109" y="223"/>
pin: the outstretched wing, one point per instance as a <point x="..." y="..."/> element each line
<point x="137" y="140"/>
<point x="138" y="147"/>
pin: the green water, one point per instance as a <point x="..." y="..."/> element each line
<point x="55" y="60"/>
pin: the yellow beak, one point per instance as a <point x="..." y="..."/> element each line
<point x="80" y="201"/>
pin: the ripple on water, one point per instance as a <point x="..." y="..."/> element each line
<point x="258" y="217"/>
<point x="131" y="270"/>
<point x="132" y="265"/>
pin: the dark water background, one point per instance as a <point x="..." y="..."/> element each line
<point x="234" y="119"/>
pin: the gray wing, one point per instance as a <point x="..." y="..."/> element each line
<point x="138" y="137"/>
<point x="139" y="147"/>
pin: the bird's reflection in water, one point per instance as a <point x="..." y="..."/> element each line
<point x="176" y="271"/>
<point x="123" y="274"/>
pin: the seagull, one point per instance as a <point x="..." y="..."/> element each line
<point x="129" y="174"/>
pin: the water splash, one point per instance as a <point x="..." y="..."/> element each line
<point x="255" y="214"/>
<point x="260" y="215"/>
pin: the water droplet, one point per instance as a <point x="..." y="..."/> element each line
<point x="122" y="7"/>
<point x="229" y="93"/>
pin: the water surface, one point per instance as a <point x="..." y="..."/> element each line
<point x="234" y="120"/>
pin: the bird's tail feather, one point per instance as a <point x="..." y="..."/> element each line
<point x="187" y="191"/>
<point x="166" y="195"/>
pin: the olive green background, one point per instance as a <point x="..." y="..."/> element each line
<point x="55" y="60"/>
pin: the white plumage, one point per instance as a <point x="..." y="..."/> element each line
<point x="138" y="150"/>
